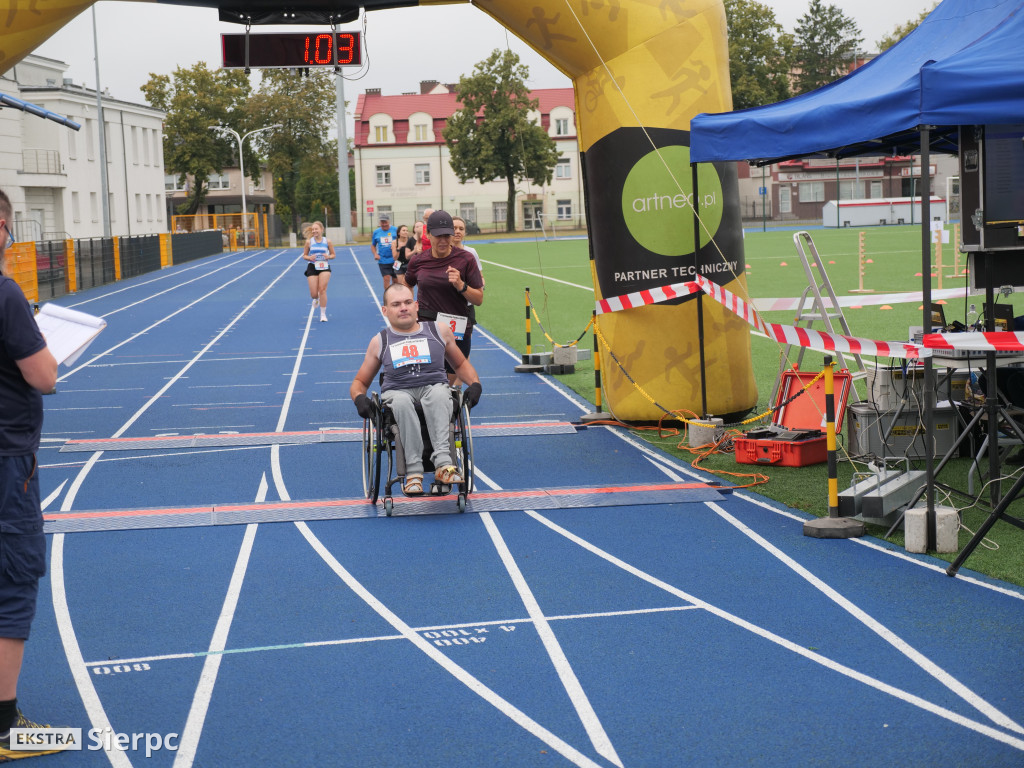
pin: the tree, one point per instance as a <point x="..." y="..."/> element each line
<point x="826" y="42"/>
<point x="304" y="106"/>
<point x="317" y="186"/>
<point x="901" y="30"/>
<point x="491" y="136"/>
<point x="194" y="99"/>
<point x="759" y="54"/>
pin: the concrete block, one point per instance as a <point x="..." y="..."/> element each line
<point x="947" y="530"/>
<point x="915" y="530"/>
<point x="947" y="527"/>
<point x="702" y="431"/>
<point x="559" y="369"/>
<point x="563" y="355"/>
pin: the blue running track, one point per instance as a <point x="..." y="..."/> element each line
<point x="216" y="574"/>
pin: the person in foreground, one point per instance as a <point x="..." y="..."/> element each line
<point x="27" y="370"/>
<point x="412" y="353"/>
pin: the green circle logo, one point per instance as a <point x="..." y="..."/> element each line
<point x="656" y="201"/>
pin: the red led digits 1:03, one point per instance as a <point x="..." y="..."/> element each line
<point x="292" y="50"/>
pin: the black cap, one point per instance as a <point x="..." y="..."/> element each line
<point x="440" y="223"/>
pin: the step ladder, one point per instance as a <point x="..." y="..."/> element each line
<point x="812" y="308"/>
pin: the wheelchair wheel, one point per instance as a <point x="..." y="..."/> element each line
<point x="464" y="452"/>
<point x="372" y="457"/>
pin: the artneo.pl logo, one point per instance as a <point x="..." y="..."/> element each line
<point x="107" y="739"/>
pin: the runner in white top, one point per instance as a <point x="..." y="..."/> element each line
<point x="318" y="252"/>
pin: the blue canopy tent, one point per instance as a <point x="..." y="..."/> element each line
<point x="962" y="66"/>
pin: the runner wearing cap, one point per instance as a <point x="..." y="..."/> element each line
<point x="381" y="245"/>
<point x="448" y="279"/>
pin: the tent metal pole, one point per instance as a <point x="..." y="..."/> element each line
<point x="700" y="296"/>
<point x="926" y="295"/>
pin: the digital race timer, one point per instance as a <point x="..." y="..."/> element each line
<point x="292" y="50"/>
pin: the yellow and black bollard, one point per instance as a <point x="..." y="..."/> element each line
<point x="528" y="365"/>
<point x="833" y="526"/>
<point x="597" y="415"/>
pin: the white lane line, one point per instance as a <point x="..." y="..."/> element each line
<point x="922" y="661"/>
<point x="162" y="276"/>
<point x="211" y="666"/>
<point x="177" y="312"/>
<point x="380" y="638"/>
<point x="817" y="658"/>
<point x="589" y="288"/>
<point x="505" y="707"/>
<point x="871" y="543"/>
<point x="877" y="627"/>
<point x="49" y="499"/>
<point x="73" y="653"/>
<point x="578" y="697"/>
<point x="666" y="460"/>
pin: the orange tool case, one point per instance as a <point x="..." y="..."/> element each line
<point x="796" y="437"/>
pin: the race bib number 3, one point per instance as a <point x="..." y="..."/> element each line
<point x="457" y="323"/>
<point x="321" y="265"/>
<point x="410" y="351"/>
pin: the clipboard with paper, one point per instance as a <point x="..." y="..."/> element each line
<point x="68" y="332"/>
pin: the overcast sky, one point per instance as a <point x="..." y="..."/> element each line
<point x="402" y="46"/>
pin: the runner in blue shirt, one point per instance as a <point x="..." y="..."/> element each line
<point x="382" y="245"/>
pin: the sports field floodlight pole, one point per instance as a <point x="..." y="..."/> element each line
<point x="241" y="163"/>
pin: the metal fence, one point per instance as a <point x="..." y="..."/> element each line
<point x="94" y="262"/>
<point x="139" y="254"/>
<point x="51" y="273"/>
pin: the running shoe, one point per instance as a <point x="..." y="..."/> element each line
<point x="7" y="754"/>
<point x="323" y="318"/>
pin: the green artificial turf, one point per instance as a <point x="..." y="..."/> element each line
<point x="558" y="276"/>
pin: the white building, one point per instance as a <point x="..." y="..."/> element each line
<point x="52" y="172"/>
<point x="402" y="165"/>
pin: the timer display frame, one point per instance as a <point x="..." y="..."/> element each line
<point x="292" y="50"/>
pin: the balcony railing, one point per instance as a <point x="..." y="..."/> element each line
<point x="41" y="161"/>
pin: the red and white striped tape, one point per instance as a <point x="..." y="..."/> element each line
<point x="997" y="341"/>
<point x="785" y="334"/>
<point x="643" y="298"/>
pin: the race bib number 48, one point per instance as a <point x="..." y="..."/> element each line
<point x="410" y="351"/>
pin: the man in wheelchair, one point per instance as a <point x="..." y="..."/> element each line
<point x="411" y="353"/>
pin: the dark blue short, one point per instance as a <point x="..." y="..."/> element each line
<point x="387" y="270"/>
<point x="22" y="545"/>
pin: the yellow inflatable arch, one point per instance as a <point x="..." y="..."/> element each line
<point x="641" y="70"/>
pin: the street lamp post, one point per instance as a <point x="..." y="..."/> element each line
<point x="241" y="163"/>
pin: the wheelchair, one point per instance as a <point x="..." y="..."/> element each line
<point x="382" y="439"/>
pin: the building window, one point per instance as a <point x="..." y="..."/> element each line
<point x="785" y="199"/>
<point x="135" y="145"/>
<point x="467" y="212"/>
<point x="563" y="169"/>
<point x="811" y="191"/>
<point x="420" y="132"/>
<point x="145" y="146"/>
<point x="219" y="181"/>
<point x="380" y="134"/>
<point x="94" y="207"/>
<point x="876" y="189"/>
<point x="562" y="126"/>
<point x="422" y="173"/>
<point x="383" y="175"/>
<point x="420" y="209"/>
<point x="90" y="139"/>
<point x="499" y="212"/>
<point x="76" y="207"/>
<point x="172" y="183"/>
<point x="850" y="190"/>
<point x="149" y="207"/>
<point x="72" y="140"/>
<point x="138" y="206"/>
<point x="564" y="210"/>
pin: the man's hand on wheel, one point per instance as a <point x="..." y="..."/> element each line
<point x="472" y="394"/>
<point x="363" y="406"/>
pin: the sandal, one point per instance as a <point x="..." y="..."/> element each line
<point x="448" y="475"/>
<point x="413" y="485"/>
